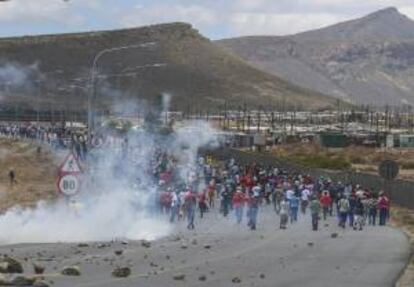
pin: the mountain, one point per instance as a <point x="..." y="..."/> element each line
<point x="364" y="61"/>
<point x="198" y="74"/>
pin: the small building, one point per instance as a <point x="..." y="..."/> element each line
<point x="400" y="141"/>
<point x="334" y="140"/>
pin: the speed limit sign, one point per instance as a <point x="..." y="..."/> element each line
<point x="69" y="184"/>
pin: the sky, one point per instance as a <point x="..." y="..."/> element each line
<point x="215" y="19"/>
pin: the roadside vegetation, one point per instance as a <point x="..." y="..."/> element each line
<point x="363" y="159"/>
<point x="35" y="174"/>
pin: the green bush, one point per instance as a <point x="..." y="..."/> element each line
<point x="321" y="161"/>
<point x="407" y="165"/>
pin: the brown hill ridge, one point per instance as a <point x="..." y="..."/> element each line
<point x="198" y="74"/>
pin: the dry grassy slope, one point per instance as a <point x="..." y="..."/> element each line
<point x="198" y="72"/>
<point x="35" y="174"/>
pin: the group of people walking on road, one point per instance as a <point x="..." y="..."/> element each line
<point x="244" y="190"/>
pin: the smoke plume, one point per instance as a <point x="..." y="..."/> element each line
<point x="117" y="200"/>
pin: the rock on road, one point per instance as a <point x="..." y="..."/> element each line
<point x="221" y="253"/>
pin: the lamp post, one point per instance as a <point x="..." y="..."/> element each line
<point x="93" y="73"/>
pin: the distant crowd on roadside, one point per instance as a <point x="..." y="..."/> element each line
<point x="57" y="137"/>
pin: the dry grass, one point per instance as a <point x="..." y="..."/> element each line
<point x="35" y="174"/>
<point x="362" y="159"/>
<point x="404" y="218"/>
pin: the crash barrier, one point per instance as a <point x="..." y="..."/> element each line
<point x="401" y="192"/>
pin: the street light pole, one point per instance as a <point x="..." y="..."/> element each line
<point x="91" y="96"/>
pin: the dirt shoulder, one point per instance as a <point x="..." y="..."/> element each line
<point x="35" y="173"/>
<point x="404" y="219"/>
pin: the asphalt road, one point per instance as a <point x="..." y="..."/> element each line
<point x="265" y="257"/>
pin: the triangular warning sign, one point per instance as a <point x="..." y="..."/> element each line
<point x="70" y="165"/>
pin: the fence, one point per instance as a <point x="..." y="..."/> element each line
<point x="401" y="192"/>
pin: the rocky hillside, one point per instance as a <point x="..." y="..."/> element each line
<point x="198" y="74"/>
<point x="363" y="61"/>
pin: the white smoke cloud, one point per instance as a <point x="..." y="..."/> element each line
<point x="16" y="75"/>
<point x="117" y="198"/>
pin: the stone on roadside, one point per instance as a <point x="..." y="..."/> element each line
<point x="184" y="246"/>
<point x="145" y="243"/>
<point x="22" y="281"/>
<point x="179" y="277"/>
<point x="71" y="271"/>
<point x="4" y="267"/>
<point x="38" y="269"/>
<point x="40" y="283"/>
<point x="102" y="245"/>
<point x="202" y="278"/>
<point x="83" y="245"/>
<point x="13" y="266"/>
<point x="118" y="252"/>
<point x="262" y="276"/>
<point x="121" y="272"/>
<point x="334" y="235"/>
<point x="236" y="280"/>
<point x="311" y="244"/>
<point x="3" y="281"/>
<point x="207" y="246"/>
<point x="175" y="238"/>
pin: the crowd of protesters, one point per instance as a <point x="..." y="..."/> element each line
<point x="54" y="135"/>
<point x="234" y="188"/>
<point x="245" y="189"/>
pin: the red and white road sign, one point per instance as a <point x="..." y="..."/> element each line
<point x="69" y="181"/>
<point x="70" y="165"/>
<point x="69" y="184"/>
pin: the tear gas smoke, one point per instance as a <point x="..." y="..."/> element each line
<point x="118" y="194"/>
<point x="16" y="75"/>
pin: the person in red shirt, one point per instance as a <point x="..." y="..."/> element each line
<point x="202" y="203"/>
<point x="383" y="207"/>
<point x="326" y="202"/>
<point x="238" y="204"/>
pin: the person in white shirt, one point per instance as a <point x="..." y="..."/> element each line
<point x="304" y="200"/>
<point x="284" y="213"/>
